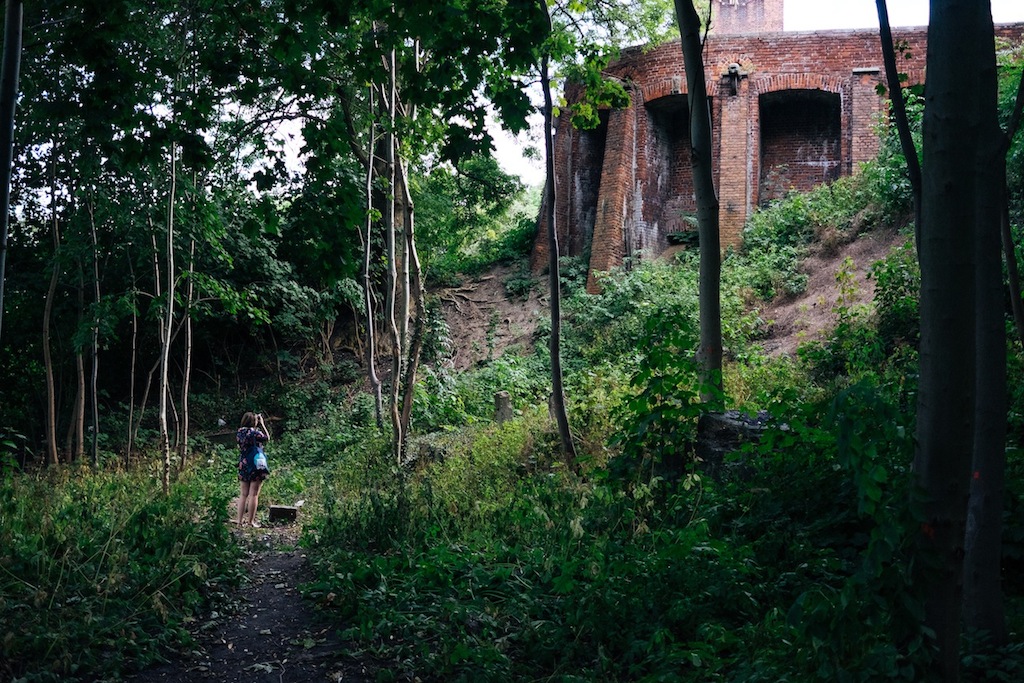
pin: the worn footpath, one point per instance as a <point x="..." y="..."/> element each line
<point x="270" y="633"/>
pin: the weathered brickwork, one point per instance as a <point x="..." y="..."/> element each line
<point x="745" y="16"/>
<point x="789" y="111"/>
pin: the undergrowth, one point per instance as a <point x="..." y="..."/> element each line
<point x="101" y="573"/>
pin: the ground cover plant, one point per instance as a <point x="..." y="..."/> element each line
<point x="101" y="573"/>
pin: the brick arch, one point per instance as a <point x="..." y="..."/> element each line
<point x="799" y="81"/>
<point x="655" y="89"/>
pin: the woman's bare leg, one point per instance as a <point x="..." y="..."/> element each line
<point x="254" y="499"/>
<point x="243" y="493"/>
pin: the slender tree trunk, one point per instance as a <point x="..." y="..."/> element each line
<point x="371" y="331"/>
<point x="957" y="206"/>
<point x="168" y="326"/>
<point x="899" y="110"/>
<point x="419" y="328"/>
<point x="554" y="277"/>
<point x="1012" y="270"/>
<point x="51" y="291"/>
<point x="94" y="375"/>
<point x="710" y="355"/>
<point x="392" y="285"/>
<point x="186" y="380"/>
<point x="8" y="99"/>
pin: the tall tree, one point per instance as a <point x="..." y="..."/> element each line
<point x="959" y="211"/>
<point x="701" y="157"/>
<point x="554" y="278"/>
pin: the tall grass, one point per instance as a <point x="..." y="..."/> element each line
<point x="100" y="572"/>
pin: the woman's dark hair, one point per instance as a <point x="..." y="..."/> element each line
<point x="249" y="419"/>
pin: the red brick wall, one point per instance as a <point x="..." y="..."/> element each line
<point x="800" y="141"/>
<point x="745" y="16"/>
<point x="669" y="194"/>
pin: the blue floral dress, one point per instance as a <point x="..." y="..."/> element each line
<point x="250" y="440"/>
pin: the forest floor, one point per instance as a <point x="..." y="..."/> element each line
<point x="268" y="633"/>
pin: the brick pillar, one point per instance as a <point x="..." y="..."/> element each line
<point x="735" y="163"/>
<point x="563" y="148"/>
<point x="866" y="108"/>
<point x="617" y="174"/>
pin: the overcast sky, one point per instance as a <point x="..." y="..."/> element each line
<point x="809" y="15"/>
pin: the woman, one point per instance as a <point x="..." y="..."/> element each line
<point x="251" y="437"/>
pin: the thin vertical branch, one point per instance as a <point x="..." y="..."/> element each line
<point x="8" y="99"/>
<point x="554" y="278"/>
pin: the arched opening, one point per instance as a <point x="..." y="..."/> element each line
<point x="668" y="202"/>
<point x="800" y="141"/>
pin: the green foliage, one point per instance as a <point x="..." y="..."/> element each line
<point x="777" y="237"/>
<point x="897" y="283"/>
<point x="100" y="572"/>
<point x="1011" y="67"/>
<point x="886" y="176"/>
<point x="445" y="399"/>
<point x="852" y="346"/>
<point x="608" y="325"/>
<point x="659" y="422"/>
<point x="473" y="222"/>
<point x="467" y="569"/>
<point x="459" y="208"/>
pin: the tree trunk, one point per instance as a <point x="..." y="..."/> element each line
<point x="392" y="284"/>
<point x="168" y="326"/>
<point x="554" y="277"/>
<point x="957" y="205"/>
<point x="419" y="329"/>
<point x="51" y="291"/>
<point x="710" y="354"/>
<point x="95" y="353"/>
<point x="983" y="594"/>
<point x="8" y="99"/>
<point x="371" y="329"/>
<point x="899" y="110"/>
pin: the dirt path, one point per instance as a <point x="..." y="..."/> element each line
<point x="270" y="632"/>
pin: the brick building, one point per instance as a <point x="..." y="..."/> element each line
<point x="789" y="111"/>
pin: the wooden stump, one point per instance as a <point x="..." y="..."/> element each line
<point x="283" y="513"/>
<point x="502" y="407"/>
